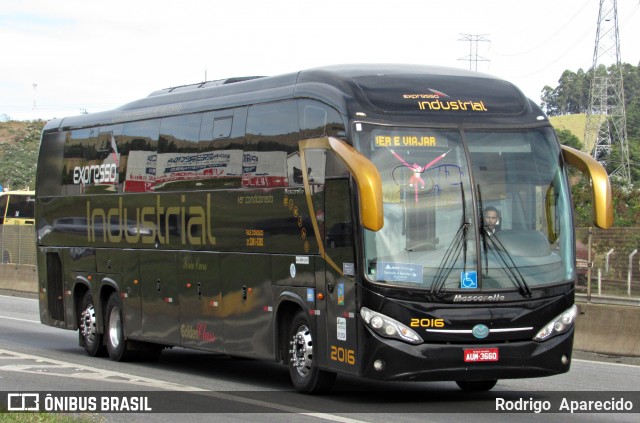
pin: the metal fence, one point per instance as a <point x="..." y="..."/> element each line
<point x="614" y="266"/>
<point x="18" y="244"/>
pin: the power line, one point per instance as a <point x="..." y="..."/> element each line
<point x="552" y="37"/>
<point x="578" y="40"/>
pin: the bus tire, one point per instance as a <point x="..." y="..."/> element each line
<point x="90" y="339"/>
<point x="476" y="385"/>
<point x="305" y="374"/>
<point x="114" y="330"/>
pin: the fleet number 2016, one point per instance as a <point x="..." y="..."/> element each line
<point x="343" y="355"/>
<point x="427" y="323"/>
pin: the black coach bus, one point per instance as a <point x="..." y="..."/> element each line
<point x="391" y="222"/>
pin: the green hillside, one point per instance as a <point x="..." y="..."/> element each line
<point x="576" y="125"/>
<point x="573" y="123"/>
<point x="18" y="152"/>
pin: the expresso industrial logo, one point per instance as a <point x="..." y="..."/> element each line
<point x="438" y="101"/>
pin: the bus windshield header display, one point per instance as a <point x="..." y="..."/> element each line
<point x="442" y="94"/>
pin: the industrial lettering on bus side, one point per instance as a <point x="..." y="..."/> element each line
<point x="118" y="224"/>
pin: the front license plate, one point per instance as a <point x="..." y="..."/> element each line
<point x="480" y="354"/>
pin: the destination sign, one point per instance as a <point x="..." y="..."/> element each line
<point x="409" y="140"/>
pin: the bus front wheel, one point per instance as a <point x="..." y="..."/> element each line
<point x="303" y="369"/>
<point x="90" y="339"/>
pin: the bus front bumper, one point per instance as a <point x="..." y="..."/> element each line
<point x="387" y="359"/>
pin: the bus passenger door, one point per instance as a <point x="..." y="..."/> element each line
<point x="160" y="296"/>
<point x="340" y="277"/>
<point x="200" y="301"/>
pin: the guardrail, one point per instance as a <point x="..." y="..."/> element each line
<point x="607" y="299"/>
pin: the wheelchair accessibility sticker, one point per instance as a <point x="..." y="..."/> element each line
<point x="469" y="280"/>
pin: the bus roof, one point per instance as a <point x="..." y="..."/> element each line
<point x="378" y="91"/>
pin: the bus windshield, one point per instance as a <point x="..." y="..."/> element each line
<point x="473" y="209"/>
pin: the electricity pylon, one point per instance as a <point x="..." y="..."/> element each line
<point x="473" y="57"/>
<point x="606" y="117"/>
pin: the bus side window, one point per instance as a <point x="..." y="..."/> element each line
<point x="319" y="120"/>
<point x="222" y="127"/>
<point x="109" y="139"/>
<point x="80" y="152"/>
<point x="338" y="222"/>
<point x="140" y="140"/>
<point x="177" y="163"/>
<point x="314" y="121"/>
<point x="220" y="149"/>
<point x="20" y="206"/>
<point x="271" y="154"/>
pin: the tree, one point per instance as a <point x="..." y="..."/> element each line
<point x="567" y="138"/>
<point x="571" y="95"/>
<point x="633" y="119"/>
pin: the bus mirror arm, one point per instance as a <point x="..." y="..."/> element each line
<point x="368" y="181"/>
<point x="600" y="185"/>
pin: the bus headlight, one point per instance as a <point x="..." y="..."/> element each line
<point x="559" y="325"/>
<point x="389" y="328"/>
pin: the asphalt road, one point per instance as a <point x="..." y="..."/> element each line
<point x="204" y="387"/>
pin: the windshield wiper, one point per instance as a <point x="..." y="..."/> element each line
<point x="507" y="263"/>
<point x="505" y="259"/>
<point x="458" y="245"/>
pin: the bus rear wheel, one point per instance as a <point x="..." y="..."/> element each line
<point x="90" y="339"/>
<point x="305" y="374"/>
<point x="118" y="347"/>
<point x="476" y="385"/>
<point x="114" y="331"/>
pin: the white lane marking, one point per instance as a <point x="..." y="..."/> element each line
<point x="606" y="362"/>
<point x="18" y="298"/>
<point x="42" y="365"/>
<point x="47" y="366"/>
<point x="19" y="319"/>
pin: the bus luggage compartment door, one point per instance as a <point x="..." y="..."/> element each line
<point x="247" y="305"/>
<point x="200" y="301"/>
<point x="160" y="296"/>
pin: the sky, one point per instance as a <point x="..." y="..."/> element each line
<point x="66" y="57"/>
